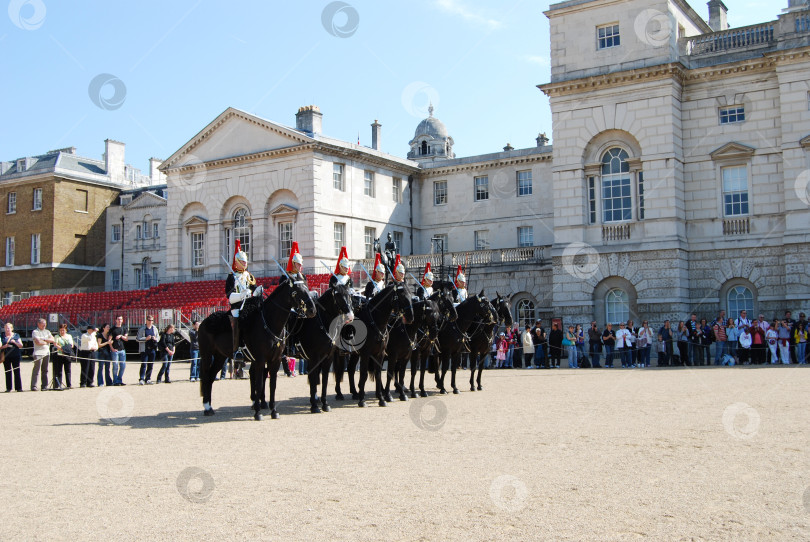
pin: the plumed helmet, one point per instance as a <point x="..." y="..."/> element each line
<point x="378" y="265"/>
<point x="240" y="259"/>
<point x="399" y="269"/>
<point x="342" y="266"/>
<point x="460" y="278"/>
<point x="295" y="257"/>
<point x="428" y="274"/>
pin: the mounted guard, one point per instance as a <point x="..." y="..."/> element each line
<point x="460" y="291"/>
<point x="398" y="270"/>
<point x="239" y="286"/>
<point x="427" y="283"/>
<point x="377" y="282"/>
<point x="295" y="264"/>
<point x="341" y="274"/>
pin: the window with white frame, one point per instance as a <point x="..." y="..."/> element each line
<point x="482" y="188"/>
<point x="115" y="233"/>
<point x="525" y="236"/>
<point x="285" y="239"/>
<point x="138" y="277"/>
<point x="146" y="230"/>
<point x="368" y="183"/>
<point x="591" y="200"/>
<point x="398" y="241"/>
<point x="339" y="236"/>
<point x="197" y="249"/>
<point x="37" y="200"/>
<point x="524" y="183"/>
<point x="154" y="275"/>
<point x="439" y="192"/>
<point x="616" y="199"/>
<point x="617" y="306"/>
<point x="337" y="177"/>
<point x="115" y="279"/>
<point x="640" y="177"/>
<point x="241" y="230"/>
<point x="396" y="189"/>
<point x="740" y="298"/>
<point x="732" y="114"/>
<point x="9" y="251"/>
<point x="155" y="230"/>
<point x="138" y="231"/>
<point x="735" y="190"/>
<point x="35" y="245"/>
<point x="368" y="241"/>
<point x="481" y="239"/>
<point x="607" y="36"/>
<point x="439" y="243"/>
<point x="11" y="203"/>
<point x="524" y="309"/>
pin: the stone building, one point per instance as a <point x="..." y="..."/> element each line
<point x="54" y="220"/>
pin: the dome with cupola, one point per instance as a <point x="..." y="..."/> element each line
<point x="430" y="140"/>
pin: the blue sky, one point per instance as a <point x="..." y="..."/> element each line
<point x="178" y="64"/>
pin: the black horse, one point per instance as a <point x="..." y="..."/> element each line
<point x="428" y="341"/>
<point x="453" y="339"/>
<point x="481" y="337"/>
<point x="316" y="338"/>
<point x="262" y="333"/>
<point x="367" y="336"/>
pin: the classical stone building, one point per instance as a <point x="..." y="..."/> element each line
<point x="53" y="222"/>
<point x="677" y="181"/>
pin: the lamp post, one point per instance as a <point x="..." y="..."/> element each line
<point x="439" y="244"/>
<point x="121" y="275"/>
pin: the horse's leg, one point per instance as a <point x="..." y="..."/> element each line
<point x="444" y="367"/>
<point x="415" y="366"/>
<point x="353" y="359"/>
<point x="273" y="379"/>
<point x="361" y="385"/>
<point x="422" y="369"/>
<point x="454" y="366"/>
<point x="337" y="366"/>
<point x="378" y="376"/>
<point x="480" y="370"/>
<point x="312" y="378"/>
<point x="207" y="381"/>
<point x="324" y="384"/>
<point x="403" y="366"/>
<point x="474" y="361"/>
<point x="389" y="374"/>
<point x="257" y="387"/>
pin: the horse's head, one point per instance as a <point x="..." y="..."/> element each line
<point x="342" y="300"/>
<point x="444" y="302"/>
<point x="483" y="310"/>
<point x="504" y="310"/>
<point x="300" y="300"/>
<point x="402" y="302"/>
<point x="431" y="316"/>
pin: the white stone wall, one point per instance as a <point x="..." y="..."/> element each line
<point x="151" y="211"/>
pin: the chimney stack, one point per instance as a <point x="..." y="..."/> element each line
<point x="717" y="15"/>
<point x="541" y="139"/>
<point x="509" y="147"/>
<point x="309" y="119"/>
<point x="114" y="161"/>
<point x="376" y="134"/>
<point x="155" y="176"/>
<point x="5" y="166"/>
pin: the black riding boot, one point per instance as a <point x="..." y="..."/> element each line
<point x="235" y="330"/>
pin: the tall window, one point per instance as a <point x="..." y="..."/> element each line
<point x="641" y="195"/>
<point x="368" y="183"/>
<point x="735" y="191"/>
<point x="197" y="249"/>
<point x="81" y="200"/>
<point x="154" y="275"/>
<point x="439" y="243"/>
<point x="524" y="183"/>
<point x="481" y="239"/>
<point x="241" y="230"/>
<point x="138" y="277"/>
<point x="115" y="233"/>
<point x="368" y="241"/>
<point x="339" y="236"/>
<point x="525" y="313"/>
<point x="739" y="299"/>
<point x="424" y="148"/>
<point x="146" y="232"/>
<point x="155" y="230"/>
<point x="396" y="189"/>
<point x="591" y="200"/>
<point x="285" y="239"/>
<point x="9" y="251"/>
<point x="439" y="192"/>
<point x="526" y="236"/>
<point x="616" y="200"/>
<point x="617" y="306"/>
<point x="732" y="114"/>
<point x="398" y="241"/>
<point x="337" y="177"/>
<point x="146" y="278"/>
<point x="481" y="188"/>
<point x="115" y="279"/>
<point x="607" y="36"/>
<point x="11" y="203"/>
<point x="138" y="231"/>
<point x="37" y="200"/>
<point x="35" y="242"/>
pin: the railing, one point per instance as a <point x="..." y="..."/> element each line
<point x="475" y="257"/>
<point x="619" y="232"/>
<point x="729" y="40"/>
<point x="736" y="226"/>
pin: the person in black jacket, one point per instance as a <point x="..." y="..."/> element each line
<point x="166" y="350"/>
<point x="555" y="339"/>
<point x="377" y="282"/>
<point x="595" y="344"/>
<point x="194" y="350"/>
<point x="539" y="342"/>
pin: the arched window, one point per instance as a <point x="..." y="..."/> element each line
<point x="617" y="203"/>
<point x="424" y="148"/>
<point x="241" y="230"/>
<point x="740" y="298"/>
<point x="617" y="306"/>
<point x="524" y="309"/>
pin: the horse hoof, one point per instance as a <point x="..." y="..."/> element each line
<point x="315" y="409"/>
<point x="327" y="408"/>
<point x="209" y="412"/>
<point x="258" y="416"/>
<point x="264" y="405"/>
<point x="403" y="397"/>
<point x="362" y="404"/>
<point x="355" y="397"/>
<point x="443" y="392"/>
<point x="480" y="388"/>
<point x="423" y="394"/>
<point x="274" y="415"/>
<point x="472" y="388"/>
<point x="339" y="397"/>
<point x="455" y="391"/>
<point x="388" y="398"/>
<point x="382" y="403"/>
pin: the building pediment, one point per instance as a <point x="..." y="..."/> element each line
<point x="805" y="141"/>
<point x="146" y="199"/>
<point x="283" y="212"/>
<point x="234" y="133"/>
<point x="196" y="221"/>
<point x="732" y="150"/>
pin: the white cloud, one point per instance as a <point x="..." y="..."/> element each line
<point x="456" y="7"/>
<point x="537" y="59"/>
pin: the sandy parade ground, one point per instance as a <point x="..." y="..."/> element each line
<point x="658" y="454"/>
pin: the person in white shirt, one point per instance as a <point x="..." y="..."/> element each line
<point x="624" y="341"/>
<point x="764" y="325"/>
<point x="88" y="353"/>
<point x="772" y="339"/>
<point x="43" y="339"/>
<point x="743" y="321"/>
<point x="645" y="340"/>
<point x="528" y="348"/>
